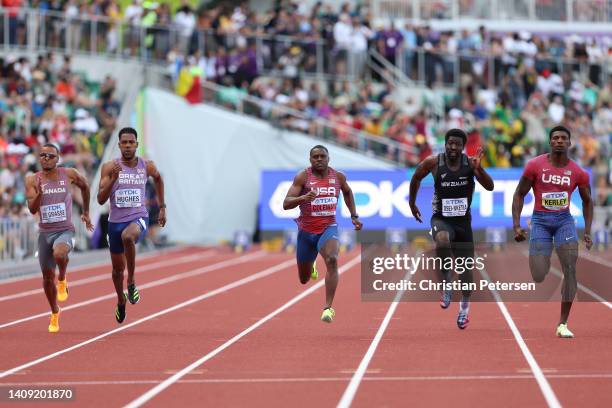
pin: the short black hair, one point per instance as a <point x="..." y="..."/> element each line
<point x="456" y="133"/>
<point x="52" y="145"/>
<point x="128" y="130"/>
<point x="320" y="147"/>
<point x="559" y="128"/>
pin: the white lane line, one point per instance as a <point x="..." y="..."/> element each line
<point x="491" y="377"/>
<point x="163" y="281"/>
<point x="547" y="391"/>
<point x="597" y="259"/>
<point x="351" y="389"/>
<point x="94" y="265"/>
<point x="583" y="288"/>
<point x="103" y="276"/>
<point x="180" y="374"/>
<point x="218" y="291"/>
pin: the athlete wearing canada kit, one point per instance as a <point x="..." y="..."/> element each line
<point x="48" y="195"/>
<point x="554" y="177"/>
<point x="316" y="190"/>
<point x="451" y="222"/>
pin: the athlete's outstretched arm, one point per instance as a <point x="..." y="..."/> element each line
<point x="587" y="211"/>
<point x="33" y="193"/>
<point x="81" y="183"/>
<point x="482" y="176"/>
<point x="349" y="200"/>
<point x="518" y="200"/>
<point x="423" y="169"/>
<point x="108" y="176"/>
<point x="159" y="189"/>
<point x="293" y="199"/>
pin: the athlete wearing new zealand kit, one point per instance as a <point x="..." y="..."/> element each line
<point x="316" y="190"/>
<point x="451" y="227"/>
<point x="48" y="195"/>
<point x="123" y="181"/>
<point x="554" y="177"/>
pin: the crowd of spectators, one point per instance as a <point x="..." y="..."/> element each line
<point x="506" y="89"/>
<point x="46" y="101"/>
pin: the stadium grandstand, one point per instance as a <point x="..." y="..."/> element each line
<point x="228" y="98"/>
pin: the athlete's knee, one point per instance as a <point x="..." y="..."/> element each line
<point x="48" y="277"/>
<point x="127" y="238"/>
<point x="442" y="239"/>
<point x="117" y="272"/>
<point x="60" y="253"/>
<point x="331" y="261"/>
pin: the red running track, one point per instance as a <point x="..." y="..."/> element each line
<point x="257" y="334"/>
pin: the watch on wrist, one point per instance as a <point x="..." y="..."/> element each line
<point x="354" y="217"/>
<point x="162" y="206"/>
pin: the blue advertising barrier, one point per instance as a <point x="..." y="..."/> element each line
<point x="381" y="197"/>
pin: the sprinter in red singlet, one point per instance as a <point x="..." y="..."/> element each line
<point x="316" y="191"/>
<point x="49" y="195"/>
<point x="553" y="177"/>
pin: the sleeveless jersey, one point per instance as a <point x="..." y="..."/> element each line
<point x="320" y="213"/>
<point x="553" y="186"/>
<point x="56" y="204"/>
<point x="127" y="200"/>
<point x="453" y="189"/>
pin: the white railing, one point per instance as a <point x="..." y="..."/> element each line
<point x="286" y="118"/>
<point x="590" y="11"/>
<point x="18" y="238"/>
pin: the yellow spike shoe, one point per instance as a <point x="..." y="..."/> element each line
<point x="62" y="290"/>
<point x="328" y="315"/>
<point x="314" y="275"/>
<point x="54" y="322"/>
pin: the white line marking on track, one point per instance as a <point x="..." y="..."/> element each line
<point x="583" y="288"/>
<point x="174" y="378"/>
<point x="351" y="389"/>
<point x="597" y="259"/>
<point x="97" y="278"/>
<point x="222" y="289"/>
<point x="173" y="278"/>
<point x="547" y="391"/>
<point x="497" y="377"/>
<point x="81" y="268"/>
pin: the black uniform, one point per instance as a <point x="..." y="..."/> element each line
<point x="452" y="199"/>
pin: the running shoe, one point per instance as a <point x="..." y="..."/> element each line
<point x="62" y="290"/>
<point x="120" y="311"/>
<point x="462" y="320"/>
<point x="133" y="294"/>
<point x="328" y="315"/>
<point x="445" y="300"/>
<point x="54" y="322"/>
<point x="564" y="332"/>
<point x="314" y="275"/>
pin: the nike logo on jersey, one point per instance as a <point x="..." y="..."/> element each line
<point x="443" y="175"/>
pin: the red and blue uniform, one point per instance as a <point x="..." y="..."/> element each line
<point x="552" y="190"/>
<point x="317" y="220"/>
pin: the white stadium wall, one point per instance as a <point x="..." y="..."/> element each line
<point x="211" y="160"/>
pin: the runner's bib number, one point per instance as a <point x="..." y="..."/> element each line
<point x="128" y="198"/>
<point x="555" y="201"/>
<point x="53" y="213"/>
<point x="454" y="207"/>
<point x="323" y="206"/>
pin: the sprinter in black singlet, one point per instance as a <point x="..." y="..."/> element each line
<point x="451" y="222"/>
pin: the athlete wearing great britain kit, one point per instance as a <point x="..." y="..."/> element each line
<point x="554" y="177"/>
<point x="316" y="190"/>
<point x="123" y="181"/>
